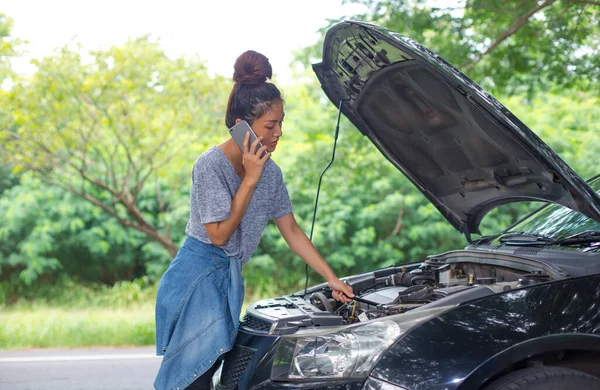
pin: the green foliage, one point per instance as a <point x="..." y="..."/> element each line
<point x="513" y="46"/>
<point x="7" y="178"/>
<point x="45" y="229"/>
<point x="8" y="46"/>
<point x="118" y="132"/>
<point x="66" y="293"/>
<point x="369" y="215"/>
<point x="63" y="328"/>
<point x="110" y="127"/>
<point x="568" y="122"/>
<point x="66" y="314"/>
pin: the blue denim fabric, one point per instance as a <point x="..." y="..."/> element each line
<point x="198" y="307"/>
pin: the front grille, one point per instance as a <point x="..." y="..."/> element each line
<point x="235" y="363"/>
<point x="255" y="324"/>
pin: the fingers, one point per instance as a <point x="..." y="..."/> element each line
<point x="340" y="291"/>
<point x="248" y="148"/>
<point x="346" y="298"/>
<point x="340" y="296"/>
<point x="260" y="154"/>
<point x="336" y="295"/>
<point x="348" y="291"/>
<point x="255" y="144"/>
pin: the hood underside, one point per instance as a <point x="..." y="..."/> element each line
<point x="459" y="146"/>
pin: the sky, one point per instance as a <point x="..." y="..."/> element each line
<point x="216" y="30"/>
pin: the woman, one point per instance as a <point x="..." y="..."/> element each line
<point x="233" y="196"/>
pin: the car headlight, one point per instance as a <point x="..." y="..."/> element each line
<point x="347" y="353"/>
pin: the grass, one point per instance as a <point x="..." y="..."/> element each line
<point x="64" y="328"/>
<point x="122" y="315"/>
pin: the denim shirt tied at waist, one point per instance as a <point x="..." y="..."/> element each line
<point x="198" y="305"/>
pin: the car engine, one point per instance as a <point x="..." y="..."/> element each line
<point x="390" y="291"/>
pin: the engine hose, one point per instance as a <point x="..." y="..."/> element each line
<point x="412" y="290"/>
<point x="417" y="293"/>
<point x="423" y="279"/>
<point x="408" y="279"/>
<point x="323" y="299"/>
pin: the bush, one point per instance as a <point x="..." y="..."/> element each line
<point x="66" y="293"/>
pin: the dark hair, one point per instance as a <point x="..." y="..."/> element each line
<point x="252" y="95"/>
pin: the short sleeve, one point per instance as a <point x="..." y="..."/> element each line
<point x="281" y="203"/>
<point x="210" y="190"/>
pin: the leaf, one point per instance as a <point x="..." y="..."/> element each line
<point x="76" y="224"/>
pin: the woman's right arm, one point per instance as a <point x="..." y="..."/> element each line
<point x="219" y="232"/>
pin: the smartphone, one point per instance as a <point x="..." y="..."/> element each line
<point x="238" y="133"/>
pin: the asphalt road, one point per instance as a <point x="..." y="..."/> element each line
<point x="79" y="369"/>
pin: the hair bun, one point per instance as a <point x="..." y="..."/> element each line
<point x="252" y="68"/>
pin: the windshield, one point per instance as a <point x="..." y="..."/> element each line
<point x="556" y="221"/>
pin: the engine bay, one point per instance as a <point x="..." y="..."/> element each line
<point x="438" y="281"/>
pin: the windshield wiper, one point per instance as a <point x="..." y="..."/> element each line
<point x="585" y="237"/>
<point x="531" y="239"/>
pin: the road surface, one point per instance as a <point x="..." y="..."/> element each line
<point x="79" y="369"/>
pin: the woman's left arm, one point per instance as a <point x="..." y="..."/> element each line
<point x="301" y="246"/>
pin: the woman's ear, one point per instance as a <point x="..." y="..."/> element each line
<point x="238" y="120"/>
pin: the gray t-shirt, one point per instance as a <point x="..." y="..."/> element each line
<point x="215" y="183"/>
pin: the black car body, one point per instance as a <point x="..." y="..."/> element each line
<point x="529" y="296"/>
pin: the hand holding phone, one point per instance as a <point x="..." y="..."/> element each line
<point x="238" y="133"/>
<point x="250" y="145"/>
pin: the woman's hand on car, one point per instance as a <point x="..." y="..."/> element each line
<point x="253" y="162"/>
<point x="340" y="290"/>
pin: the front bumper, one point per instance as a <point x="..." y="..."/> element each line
<point x="247" y="367"/>
<point x="368" y="384"/>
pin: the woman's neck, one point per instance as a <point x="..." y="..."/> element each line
<point x="234" y="155"/>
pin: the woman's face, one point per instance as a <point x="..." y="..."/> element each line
<point x="269" y="126"/>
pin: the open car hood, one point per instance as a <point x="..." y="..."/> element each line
<point x="459" y="146"/>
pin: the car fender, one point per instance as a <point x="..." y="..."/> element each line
<point x="441" y="353"/>
<point x="527" y="349"/>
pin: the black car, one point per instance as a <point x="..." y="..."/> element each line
<point x="517" y="310"/>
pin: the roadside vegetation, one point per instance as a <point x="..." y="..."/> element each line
<point x="96" y="151"/>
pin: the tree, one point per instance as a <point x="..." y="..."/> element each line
<point x="8" y="50"/>
<point x="508" y="47"/>
<point x="107" y="124"/>
<point x="8" y="46"/>
<point x="369" y="214"/>
<point x="511" y="46"/>
<point x="46" y="232"/>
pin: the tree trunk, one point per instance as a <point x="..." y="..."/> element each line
<point x="163" y="240"/>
